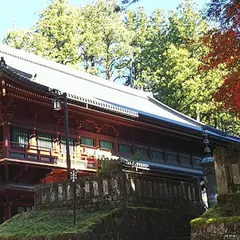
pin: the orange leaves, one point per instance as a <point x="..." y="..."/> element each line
<point x="224" y="48"/>
<point x="229" y="92"/>
<point x="224" y="45"/>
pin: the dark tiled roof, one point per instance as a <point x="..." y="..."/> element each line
<point x="20" y="77"/>
<point x="25" y="79"/>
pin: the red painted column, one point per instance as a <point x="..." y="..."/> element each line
<point x="6" y="137"/>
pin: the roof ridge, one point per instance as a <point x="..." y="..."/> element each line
<point x="50" y="64"/>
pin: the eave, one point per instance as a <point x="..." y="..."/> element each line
<point x="7" y="72"/>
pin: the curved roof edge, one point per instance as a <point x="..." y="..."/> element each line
<point x="7" y="69"/>
<point x="208" y="129"/>
<point x="50" y="64"/>
<point x="195" y="122"/>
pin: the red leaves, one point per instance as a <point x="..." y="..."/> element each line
<point x="225" y="49"/>
<point x="224" y="45"/>
<point x="229" y="92"/>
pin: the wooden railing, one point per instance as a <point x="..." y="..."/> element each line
<point x="32" y="153"/>
<point x="80" y="160"/>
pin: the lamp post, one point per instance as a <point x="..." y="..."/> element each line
<point x="57" y="105"/>
<point x="207" y="162"/>
<point x="74" y="178"/>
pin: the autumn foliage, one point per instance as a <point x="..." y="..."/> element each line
<point x="224" y="47"/>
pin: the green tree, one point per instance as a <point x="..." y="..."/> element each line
<point x="54" y="36"/>
<point x="19" y="39"/>
<point x="93" y="37"/>
<point x="57" y="32"/>
<point x="169" y="59"/>
<point x="148" y="44"/>
<point x="109" y="38"/>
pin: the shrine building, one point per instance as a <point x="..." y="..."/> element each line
<point x="105" y="119"/>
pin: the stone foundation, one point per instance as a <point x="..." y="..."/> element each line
<point x="217" y="230"/>
<point x="179" y="199"/>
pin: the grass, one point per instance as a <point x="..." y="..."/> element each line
<point x="228" y="212"/>
<point x="57" y="222"/>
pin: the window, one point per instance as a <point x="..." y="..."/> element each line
<point x="106" y="144"/>
<point x="87" y="141"/>
<point x="124" y="148"/>
<point x="143" y="152"/>
<point x="45" y="141"/>
<point x="172" y="158"/>
<point x="185" y="160"/>
<point x="19" y="135"/>
<point x="158" y="156"/>
<point x="72" y="143"/>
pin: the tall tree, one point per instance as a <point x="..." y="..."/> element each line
<point x="183" y="86"/>
<point x="170" y="61"/>
<point x="169" y="58"/>
<point x="54" y="36"/>
<point x="148" y="44"/>
<point x="93" y="37"/>
<point x="111" y="48"/>
<point x="57" y="33"/>
<point x="224" y="45"/>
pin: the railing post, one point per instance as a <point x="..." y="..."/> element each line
<point x="51" y="157"/>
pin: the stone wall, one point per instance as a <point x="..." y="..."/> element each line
<point x="124" y="190"/>
<point x="171" y="202"/>
<point x="227" y="166"/>
<point x="140" y="224"/>
<point x="91" y="191"/>
<point x="216" y="231"/>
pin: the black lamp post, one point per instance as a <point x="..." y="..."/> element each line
<point x="74" y="178"/>
<point x="207" y="163"/>
<point x="57" y="105"/>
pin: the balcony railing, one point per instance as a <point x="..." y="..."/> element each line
<point x="26" y="152"/>
<point x="86" y="159"/>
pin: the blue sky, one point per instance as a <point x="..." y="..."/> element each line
<point x="24" y="13"/>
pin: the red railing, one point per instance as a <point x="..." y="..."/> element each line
<point x="25" y="152"/>
<point x="32" y="153"/>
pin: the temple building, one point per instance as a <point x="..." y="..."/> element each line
<point x="104" y="118"/>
